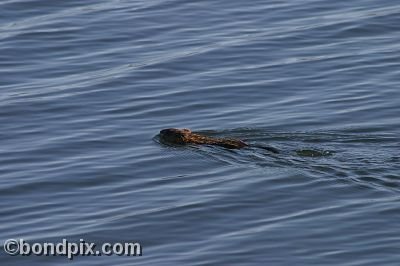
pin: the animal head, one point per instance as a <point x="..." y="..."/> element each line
<point x="175" y="135"/>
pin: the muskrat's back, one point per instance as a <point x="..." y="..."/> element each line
<point x="186" y="136"/>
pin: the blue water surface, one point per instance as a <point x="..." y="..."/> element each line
<point x="85" y="87"/>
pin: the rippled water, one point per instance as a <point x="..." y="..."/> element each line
<point x="86" y="87"/>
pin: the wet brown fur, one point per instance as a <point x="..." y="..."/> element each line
<point x="186" y="136"/>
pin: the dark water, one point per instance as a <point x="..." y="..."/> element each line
<point x="85" y="86"/>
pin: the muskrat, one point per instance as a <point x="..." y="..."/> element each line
<point x="186" y="136"/>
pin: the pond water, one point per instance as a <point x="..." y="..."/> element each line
<point x="85" y="88"/>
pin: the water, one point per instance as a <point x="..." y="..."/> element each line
<point x="86" y="87"/>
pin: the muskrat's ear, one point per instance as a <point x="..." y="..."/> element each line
<point x="187" y="130"/>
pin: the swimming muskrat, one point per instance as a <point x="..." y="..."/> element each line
<point x="186" y="136"/>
